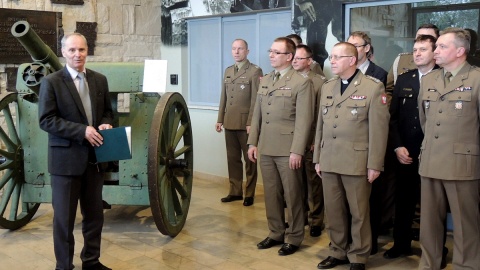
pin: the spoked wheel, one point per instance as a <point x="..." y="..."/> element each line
<point x="14" y="213"/>
<point x="170" y="164"/>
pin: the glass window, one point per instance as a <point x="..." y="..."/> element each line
<point x="392" y="24"/>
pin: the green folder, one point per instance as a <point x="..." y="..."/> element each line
<point x="116" y="144"/>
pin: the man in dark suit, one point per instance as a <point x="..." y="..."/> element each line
<point x="363" y="43"/>
<point x="406" y="137"/>
<point x="380" y="188"/>
<point x="70" y="110"/>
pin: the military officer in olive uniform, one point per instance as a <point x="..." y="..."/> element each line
<point x="239" y="91"/>
<point x="449" y="107"/>
<point x="314" y="65"/>
<point x="350" y="143"/>
<point x="281" y="126"/>
<point x="302" y="63"/>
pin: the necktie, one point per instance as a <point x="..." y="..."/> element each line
<point x="235" y="69"/>
<point x="85" y="96"/>
<point x="276" y="77"/>
<point x="448" y="77"/>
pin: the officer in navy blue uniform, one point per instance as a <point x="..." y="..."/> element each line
<point x="406" y="136"/>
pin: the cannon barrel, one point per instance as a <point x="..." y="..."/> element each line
<point x="35" y="46"/>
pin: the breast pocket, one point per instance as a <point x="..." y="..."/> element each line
<point x="406" y="95"/>
<point x="356" y="109"/>
<point x="326" y="108"/>
<point x="242" y="88"/>
<point x="283" y="98"/>
<point x="458" y="102"/>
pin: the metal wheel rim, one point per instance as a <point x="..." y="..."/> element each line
<point x="170" y="142"/>
<point x="14" y="213"/>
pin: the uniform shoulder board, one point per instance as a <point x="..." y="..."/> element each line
<point x="303" y="75"/>
<point x="405" y="53"/>
<point x="332" y="79"/>
<point x="406" y="71"/>
<point x="373" y="78"/>
<point x="255" y="66"/>
<point x="231" y="66"/>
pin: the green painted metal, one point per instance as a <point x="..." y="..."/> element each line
<point x="14" y="210"/>
<point x="159" y="174"/>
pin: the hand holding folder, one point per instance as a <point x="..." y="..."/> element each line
<point x="117" y="144"/>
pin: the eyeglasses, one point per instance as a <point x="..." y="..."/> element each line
<point x="338" y="57"/>
<point x="301" y="58"/>
<point x="277" y="53"/>
<point x="358" y="46"/>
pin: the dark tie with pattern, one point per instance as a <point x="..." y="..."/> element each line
<point x="85" y="96"/>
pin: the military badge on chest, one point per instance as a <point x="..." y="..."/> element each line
<point x="458" y="105"/>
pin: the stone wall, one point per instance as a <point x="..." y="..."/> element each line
<point x="128" y="30"/>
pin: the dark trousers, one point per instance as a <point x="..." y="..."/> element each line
<point x="381" y="198"/>
<point x="66" y="192"/>
<point x="236" y="142"/>
<point x="407" y="195"/>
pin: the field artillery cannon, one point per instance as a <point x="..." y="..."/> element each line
<point x="159" y="174"/>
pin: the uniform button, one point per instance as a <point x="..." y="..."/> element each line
<point x="338" y="106"/>
<point x="268" y="113"/>
<point x="334" y="126"/>
<point x="442" y="98"/>
<point x="468" y="150"/>
<point x="414" y="127"/>
<point x="231" y="103"/>
<point x="336" y="116"/>
<point x="415" y="117"/>
<point x="436" y="136"/>
<point x="268" y="122"/>
<point x="440" y="111"/>
<point x="271" y="94"/>
<point x="438" y="123"/>
<point x="334" y="137"/>
<point x="269" y="103"/>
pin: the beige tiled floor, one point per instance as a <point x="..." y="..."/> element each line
<point x="216" y="236"/>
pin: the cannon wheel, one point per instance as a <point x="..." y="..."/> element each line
<point x="14" y="213"/>
<point x="170" y="164"/>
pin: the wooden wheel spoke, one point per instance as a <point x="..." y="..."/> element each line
<point x="14" y="200"/>
<point x="180" y="133"/>
<point x="7" y="165"/>
<point x="7" y="114"/>
<point x="182" y="151"/>
<point x="179" y="187"/>
<point x="6" y="196"/>
<point x="174" y="127"/>
<point x="11" y="146"/>
<point x="7" y="154"/>
<point x="177" y="206"/>
<point x="5" y="178"/>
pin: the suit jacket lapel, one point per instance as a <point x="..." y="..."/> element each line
<point x="93" y="93"/>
